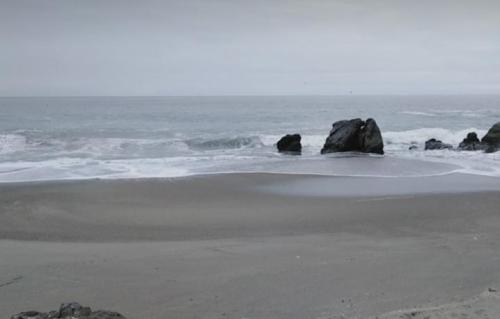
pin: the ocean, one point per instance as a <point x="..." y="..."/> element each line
<point x="44" y="138"/>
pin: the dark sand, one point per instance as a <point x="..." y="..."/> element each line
<point x="231" y="246"/>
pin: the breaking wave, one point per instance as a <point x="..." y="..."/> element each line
<point x="224" y="143"/>
<point x="34" y="156"/>
<point x="418" y="113"/>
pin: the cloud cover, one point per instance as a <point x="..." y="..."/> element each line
<point x="239" y="47"/>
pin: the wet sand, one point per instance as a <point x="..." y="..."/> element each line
<point x="231" y="246"/>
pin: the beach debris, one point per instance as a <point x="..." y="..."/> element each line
<point x="492" y="139"/>
<point x="71" y="310"/>
<point x="354" y="135"/>
<point x="290" y="144"/>
<point x="434" y="144"/>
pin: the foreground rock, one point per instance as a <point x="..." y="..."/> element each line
<point x="471" y="143"/>
<point x="72" y="310"/>
<point x="434" y="144"/>
<point x="485" y="305"/>
<point x="492" y="139"/>
<point x="354" y="136"/>
<point x="290" y="144"/>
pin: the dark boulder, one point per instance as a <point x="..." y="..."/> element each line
<point x="434" y="144"/>
<point x="290" y="144"/>
<point x="72" y="310"/>
<point x="343" y="137"/>
<point x="354" y="136"/>
<point x="471" y="143"/>
<point x="492" y="139"/>
<point x="371" y="138"/>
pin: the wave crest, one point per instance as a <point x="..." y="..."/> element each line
<point x="224" y="143"/>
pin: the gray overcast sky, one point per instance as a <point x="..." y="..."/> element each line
<point x="232" y="47"/>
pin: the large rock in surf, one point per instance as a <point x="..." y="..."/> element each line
<point x="434" y="144"/>
<point x="72" y="310"/>
<point x="492" y="138"/>
<point x="354" y="135"/>
<point x="371" y="138"/>
<point x="290" y="144"/>
<point x="471" y="143"/>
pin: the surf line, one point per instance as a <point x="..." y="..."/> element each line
<point x="384" y="198"/>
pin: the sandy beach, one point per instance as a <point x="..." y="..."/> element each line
<point x="254" y="246"/>
<point x="224" y="159"/>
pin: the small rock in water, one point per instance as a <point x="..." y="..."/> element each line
<point x="471" y="143"/>
<point x="290" y="144"/>
<point x="434" y="144"/>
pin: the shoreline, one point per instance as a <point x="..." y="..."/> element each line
<point x="345" y="165"/>
<point x="223" y="205"/>
<point x="468" y="180"/>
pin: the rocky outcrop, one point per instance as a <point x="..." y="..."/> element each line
<point x="72" y="310"/>
<point x="434" y="144"/>
<point x="290" y="144"/>
<point x="354" y="135"/>
<point x="343" y="137"/>
<point x="491" y="140"/>
<point x="471" y="143"/>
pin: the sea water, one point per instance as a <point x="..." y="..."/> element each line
<point x="45" y="138"/>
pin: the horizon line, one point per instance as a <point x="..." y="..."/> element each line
<point x="253" y="95"/>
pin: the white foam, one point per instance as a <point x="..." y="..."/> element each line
<point x="418" y="113"/>
<point x="10" y="143"/>
<point x="470" y="162"/>
<point x="77" y="168"/>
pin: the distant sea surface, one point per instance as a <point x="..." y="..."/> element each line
<point x="132" y="137"/>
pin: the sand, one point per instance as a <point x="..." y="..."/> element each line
<point x="231" y="246"/>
